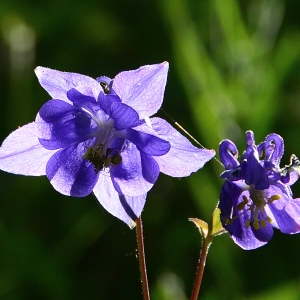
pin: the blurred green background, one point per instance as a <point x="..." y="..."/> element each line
<point x="234" y="66"/>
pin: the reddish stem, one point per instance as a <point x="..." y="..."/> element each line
<point x="200" y="269"/>
<point x="142" y="261"/>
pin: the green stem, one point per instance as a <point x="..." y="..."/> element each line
<point x="142" y="261"/>
<point x="200" y="268"/>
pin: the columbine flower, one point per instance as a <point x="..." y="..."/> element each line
<point x="256" y="195"/>
<point x="96" y="136"/>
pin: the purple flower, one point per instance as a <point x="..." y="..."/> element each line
<point x="96" y="136"/>
<point x="256" y="195"/>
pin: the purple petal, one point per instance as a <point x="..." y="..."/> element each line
<point x="149" y="144"/>
<point x="78" y="98"/>
<point x="60" y="124"/>
<point x="286" y="211"/>
<point x="143" y="89"/>
<point x="274" y="148"/>
<point x="57" y="83"/>
<point x="22" y="153"/>
<point x="124" y="115"/>
<point x="228" y="154"/>
<point x="126" y="208"/>
<point x="106" y="101"/>
<point x="251" y="169"/>
<point x="183" y="158"/>
<point x="128" y="176"/>
<point x="150" y="168"/>
<point x="70" y="174"/>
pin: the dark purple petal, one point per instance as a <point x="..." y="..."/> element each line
<point x="70" y="174"/>
<point x="57" y="83"/>
<point x="59" y="125"/>
<point x="124" y="115"/>
<point x="106" y="101"/>
<point x="251" y="169"/>
<point x="150" y="168"/>
<point x="183" y="158"/>
<point x="54" y="110"/>
<point x="228" y="154"/>
<point x="150" y="144"/>
<point x="126" y="208"/>
<point x="274" y="148"/>
<point x="250" y="138"/>
<point x="78" y="98"/>
<point x="143" y="89"/>
<point x="128" y="176"/>
<point x="87" y="104"/>
<point x="286" y="211"/>
<point x="21" y="152"/>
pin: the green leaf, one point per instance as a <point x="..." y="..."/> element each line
<point x="215" y="225"/>
<point x="201" y="225"/>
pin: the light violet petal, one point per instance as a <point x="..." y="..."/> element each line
<point x="21" y="153"/>
<point x="128" y="176"/>
<point x="125" y="208"/>
<point x="58" y="83"/>
<point x="286" y="211"/>
<point x="183" y="158"/>
<point x="143" y="89"/>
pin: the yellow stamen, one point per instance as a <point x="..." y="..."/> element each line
<point x="273" y="198"/>
<point x="242" y="205"/>
<point x="256" y="224"/>
<point x="247" y="224"/>
<point x="228" y="221"/>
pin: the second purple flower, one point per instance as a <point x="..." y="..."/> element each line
<point x="256" y="195"/>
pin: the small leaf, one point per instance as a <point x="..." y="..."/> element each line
<point x="201" y="225"/>
<point x="215" y="225"/>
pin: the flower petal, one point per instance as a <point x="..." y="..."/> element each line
<point x="228" y="154"/>
<point x="143" y="89"/>
<point x="183" y="158"/>
<point x="125" y="208"/>
<point x="274" y="148"/>
<point x="80" y="99"/>
<point x="58" y="83"/>
<point x="70" y="174"/>
<point x="124" y="115"/>
<point x="148" y="143"/>
<point x="127" y="177"/>
<point x="22" y="153"/>
<point x="251" y="169"/>
<point x="285" y="210"/>
<point x="60" y="124"/>
<point x="150" y="168"/>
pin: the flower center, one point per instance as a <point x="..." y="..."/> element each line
<point x="259" y="217"/>
<point x="101" y="154"/>
<point x="256" y="204"/>
<point x="102" y="158"/>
